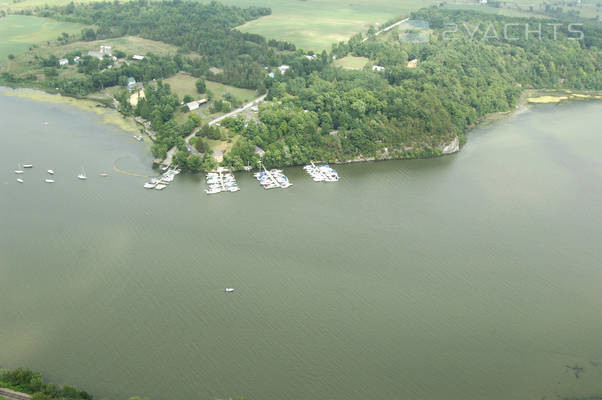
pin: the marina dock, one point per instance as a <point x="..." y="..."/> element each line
<point x="322" y="173"/>
<point x="221" y="181"/>
<point x="272" y="179"/>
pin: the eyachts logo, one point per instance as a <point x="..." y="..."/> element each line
<point x="418" y="31"/>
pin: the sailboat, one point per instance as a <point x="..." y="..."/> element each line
<point x="82" y="175"/>
<point x="19" y="170"/>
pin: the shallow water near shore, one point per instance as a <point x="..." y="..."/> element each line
<point x="471" y="276"/>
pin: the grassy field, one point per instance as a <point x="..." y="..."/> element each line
<point x="317" y="24"/>
<point x="25" y="63"/>
<point x="351" y="62"/>
<point x="18" y="33"/>
<point x="183" y="84"/>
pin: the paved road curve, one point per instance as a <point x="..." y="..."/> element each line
<point x="13" y="395"/>
<point x="173" y="150"/>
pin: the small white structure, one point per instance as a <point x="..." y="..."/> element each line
<point x="106" y="50"/>
<point x="283" y="69"/>
<point x="271" y="75"/>
<point x="482" y="1"/>
<point x="413" y="63"/>
<point x="313" y="57"/>
<point x="76" y="59"/>
<point x="194" y="105"/>
<point x="137" y="57"/>
<point x="63" y="61"/>
<point x="378" y="68"/>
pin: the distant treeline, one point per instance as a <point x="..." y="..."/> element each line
<point x="204" y="29"/>
<point x="26" y="381"/>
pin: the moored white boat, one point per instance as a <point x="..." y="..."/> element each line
<point x="51" y="171"/>
<point x="228" y="290"/>
<point x="19" y="180"/>
<point x="82" y="175"/>
<point x="27" y="165"/>
<point x="160" y="186"/>
<point x="49" y="180"/>
<point x="19" y="170"/>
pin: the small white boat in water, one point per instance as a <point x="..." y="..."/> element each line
<point x="212" y="190"/>
<point x="160" y="186"/>
<point x="82" y="175"/>
<point x="19" y="180"/>
<point x="228" y="290"/>
<point x="27" y="165"/>
<point x="51" y="171"/>
<point x="19" y="170"/>
<point x="49" y="180"/>
<point x="150" y="185"/>
<point x="104" y="174"/>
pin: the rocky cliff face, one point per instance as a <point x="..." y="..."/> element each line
<point x="452" y="147"/>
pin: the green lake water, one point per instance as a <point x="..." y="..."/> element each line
<point x="472" y="276"/>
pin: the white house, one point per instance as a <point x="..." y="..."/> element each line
<point x="63" y="61"/>
<point x="283" y="69"/>
<point x="194" y="105"/>
<point x="378" y="68"/>
<point x="313" y="57"/>
<point x="106" y="50"/>
<point x="76" y="59"/>
<point x="137" y="57"/>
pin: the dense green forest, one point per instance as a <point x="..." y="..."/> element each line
<point x="317" y="111"/>
<point x="27" y="381"/>
<point x="332" y="114"/>
<point x="203" y="29"/>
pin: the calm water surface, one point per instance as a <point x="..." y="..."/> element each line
<point x="474" y="276"/>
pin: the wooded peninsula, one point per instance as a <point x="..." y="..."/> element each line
<point x="410" y="99"/>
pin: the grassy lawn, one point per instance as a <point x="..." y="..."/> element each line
<point x="316" y="25"/>
<point x="183" y="84"/>
<point x="351" y="62"/>
<point x="18" y="33"/>
<point x="218" y="89"/>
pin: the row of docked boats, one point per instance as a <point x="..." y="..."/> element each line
<point x="322" y="173"/>
<point x="162" y="181"/>
<point x="21" y="170"/>
<point x="221" y="181"/>
<point x="272" y="179"/>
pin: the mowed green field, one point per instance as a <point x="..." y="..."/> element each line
<point x="18" y="33"/>
<point x="317" y="24"/>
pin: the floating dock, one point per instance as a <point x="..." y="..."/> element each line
<point x="272" y="179"/>
<point x="221" y="181"/>
<point x="322" y="173"/>
<point x="163" y="181"/>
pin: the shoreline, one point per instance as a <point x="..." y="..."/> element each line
<point x="110" y="115"/>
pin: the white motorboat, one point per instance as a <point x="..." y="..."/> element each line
<point x="160" y="186"/>
<point x="49" y="180"/>
<point x="19" y="170"/>
<point x="19" y="180"/>
<point x="150" y="185"/>
<point x="104" y="174"/>
<point x="51" y="171"/>
<point x="228" y="290"/>
<point x="27" y="165"/>
<point x="82" y="175"/>
<point x="213" y="190"/>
